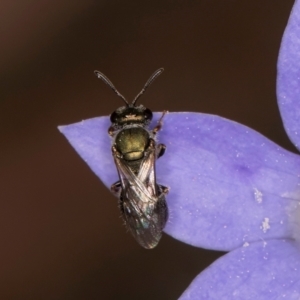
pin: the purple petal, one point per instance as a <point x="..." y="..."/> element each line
<point x="228" y="184"/>
<point x="262" y="270"/>
<point x="288" y="79"/>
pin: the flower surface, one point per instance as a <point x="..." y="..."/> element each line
<point x="236" y="186"/>
<point x="231" y="189"/>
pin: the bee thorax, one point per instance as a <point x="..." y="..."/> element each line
<point x="132" y="143"/>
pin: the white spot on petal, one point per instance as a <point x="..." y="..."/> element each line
<point x="265" y="226"/>
<point x="258" y="195"/>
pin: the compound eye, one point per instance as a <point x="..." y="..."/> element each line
<point x="148" y="114"/>
<point x="114" y="117"/>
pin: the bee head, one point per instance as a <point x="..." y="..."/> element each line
<point x="130" y="113"/>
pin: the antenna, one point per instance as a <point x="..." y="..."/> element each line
<point x="148" y="83"/>
<point x="109" y="83"/>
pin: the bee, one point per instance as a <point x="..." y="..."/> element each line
<point x="141" y="199"/>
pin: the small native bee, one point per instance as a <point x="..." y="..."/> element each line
<point x="141" y="200"/>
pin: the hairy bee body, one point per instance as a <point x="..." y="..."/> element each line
<point x="141" y="199"/>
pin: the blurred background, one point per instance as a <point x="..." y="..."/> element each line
<point x="60" y="229"/>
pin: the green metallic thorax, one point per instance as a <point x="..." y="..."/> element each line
<point x="132" y="143"/>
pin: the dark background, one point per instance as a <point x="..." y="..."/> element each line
<point x="60" y="229"/>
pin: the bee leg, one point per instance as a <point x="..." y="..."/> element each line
<point x="159" y="123"/>
<point x="116" y="189"/>
<point x="115" y="152"/>
<point x="163" y="189"/>
<point x="160" y="150"/>
<point x="111" y="130"/>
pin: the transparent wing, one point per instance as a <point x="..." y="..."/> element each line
<point x="143" y="185"/>
<point x="143" y="205"/>
<point x="146" y="228"/>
